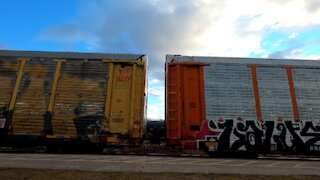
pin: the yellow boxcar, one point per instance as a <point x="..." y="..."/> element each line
<point x="86" y="97"/>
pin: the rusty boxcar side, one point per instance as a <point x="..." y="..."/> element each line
<point x="63" y="96"/>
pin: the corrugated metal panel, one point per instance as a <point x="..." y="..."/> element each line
<point x="229" y="92"/>
<point x="246" y="61"/>
<point x="274" y="94"/>
<point x="69" y="55"/>
<point x="77" y="109"/>
<point x="8" y="75"/>
<point x="275" y="98"/>
<point x="80" y="98"/>
<point x="32" y="100"/>
<point x="307" y="84"/>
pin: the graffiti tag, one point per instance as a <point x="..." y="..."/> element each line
<point x="279" y="136"/>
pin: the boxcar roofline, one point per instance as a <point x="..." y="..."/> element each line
<point x="71" y="55"/>
<point x="271" y="62"/>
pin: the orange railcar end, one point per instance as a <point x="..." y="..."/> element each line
<point x="185" y="103"/>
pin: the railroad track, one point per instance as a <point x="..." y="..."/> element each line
<point x="175" y="154"/>
<point x="160" y="163"/>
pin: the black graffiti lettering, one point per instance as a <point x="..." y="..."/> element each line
<point x="238" y="132"/>
<point x="280" y="136"/>
<point x="250" y="136"/>
<point x="212" y="125"/>
<point x="268" y="128"/>
<point x="224" y="140"/>
<point x="313" y="133"/>
<point x="254" y="137"/>
<point x="297" y="143"/>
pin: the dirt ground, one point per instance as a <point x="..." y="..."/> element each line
<point x="37" y="174"/>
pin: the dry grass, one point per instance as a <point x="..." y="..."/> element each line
<point x="44" y="174"/>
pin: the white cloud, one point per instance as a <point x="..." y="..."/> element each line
<point x="259" y="51"/>
<point x="201" y="27"/>
<point x="156" y="111"/>
<point x="190" y="27"/>
<point x="313" y="57"/>
<point x="156" y="91"/>
<point x="154" y="81"/>
<point x="156" y="94"/>
<point x="293" y="35"/>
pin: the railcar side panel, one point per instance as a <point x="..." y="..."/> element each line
<point x="125" y="114"/>
<point x="61" y="96"/>
<point x="306" y="84"/>
<point x="79" y="100"/>
<point x="138" y="102"/>
<point x="8" y="74"/>
<point x="32" y="97"/>
<point x="258" y="105"/>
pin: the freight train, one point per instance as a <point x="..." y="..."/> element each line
<point x="216" y="104"/>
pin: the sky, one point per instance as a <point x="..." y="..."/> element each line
<point x="232" y="28"/>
